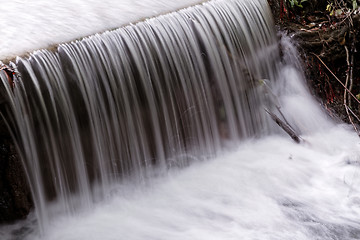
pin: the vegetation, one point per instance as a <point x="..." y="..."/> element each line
<point x="296" y="3"/>
<point x="339" y="7"/>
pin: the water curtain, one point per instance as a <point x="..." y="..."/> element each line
<point x="140" y="99"/>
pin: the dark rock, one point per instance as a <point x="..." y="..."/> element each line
<point x="15" y="197"/>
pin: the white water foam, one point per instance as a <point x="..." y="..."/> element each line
<point x="270" y="188"/>
<point x="267" y="189"/>
<point x="31" y="25"/>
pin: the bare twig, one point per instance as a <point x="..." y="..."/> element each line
<point x="274" y="99"/>
<point x="347" y="74"/>
<point x="284" y="126"/>
<point x="347" y="109"/>
<point x="349" y="79"/>
<point x="345" y="92"/>
<point x="342" y="84"/>
<point x="357" y="118"/>
<point x="348" y="17"/>
<point x="345" y="87"/>
<point x="351" y="64"/>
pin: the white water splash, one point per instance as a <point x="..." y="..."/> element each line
<point x="270" y="188"/>
<point x="267" y="189"/>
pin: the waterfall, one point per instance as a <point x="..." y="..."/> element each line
<point x="136" y="101"/>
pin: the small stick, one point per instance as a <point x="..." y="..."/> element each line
<point x="349" y="76"/>
<point x="352" y="113"/>
<point x="351" y="64"/>
<point x="336" y="78"/>
<point x="275" y="101"/>
<point x="345" y="92"/>
<point x="284" y="126"/>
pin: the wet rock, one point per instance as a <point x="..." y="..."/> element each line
<point x="15" y="197"/>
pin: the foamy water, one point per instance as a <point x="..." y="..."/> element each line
<point x="269" y="188"/>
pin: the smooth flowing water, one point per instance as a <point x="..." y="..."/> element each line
<point x="42" y="23"/>
<point x="114" y="130"/>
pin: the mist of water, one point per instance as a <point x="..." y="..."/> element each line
<point x="114" y="130"/>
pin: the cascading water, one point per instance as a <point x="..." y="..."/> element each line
<point x="137" y="102"/>
<point x="149" y="95"/>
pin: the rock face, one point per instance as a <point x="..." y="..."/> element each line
<point x="15" y="197"/>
